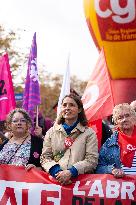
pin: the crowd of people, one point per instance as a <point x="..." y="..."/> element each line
<point x="69" y="147"/>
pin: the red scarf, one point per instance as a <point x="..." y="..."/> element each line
<point x="127" y="147"/>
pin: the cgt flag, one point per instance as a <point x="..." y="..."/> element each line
<point x="31" y="97"/>
<point x="7" y="97"/>
<point x="97" y="98"/>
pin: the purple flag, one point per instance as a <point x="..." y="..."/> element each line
<point x="31" y="97"/>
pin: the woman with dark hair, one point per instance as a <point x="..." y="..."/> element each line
<point x="70" y="146"/>
<point x="21" y="148"/>
<point x="81" y="114"/>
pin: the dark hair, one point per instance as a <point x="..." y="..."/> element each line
<point x="2" y="126"/>
<point x="81" y="116"/>
<point x="20" y="110"/>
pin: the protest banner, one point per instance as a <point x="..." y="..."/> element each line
<point x="34" y="187"/>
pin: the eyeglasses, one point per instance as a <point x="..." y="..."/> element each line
<point x="22" y="120"/>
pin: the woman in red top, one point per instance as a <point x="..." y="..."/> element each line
<point x="118" y="154"/>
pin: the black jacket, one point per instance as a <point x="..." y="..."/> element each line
<point x="35" y="151"/>
<point x="106" y="132"/>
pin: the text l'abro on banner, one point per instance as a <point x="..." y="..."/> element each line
<point x="21" y="187"/>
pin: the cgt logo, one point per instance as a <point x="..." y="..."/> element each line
<point x="90" y="96"/>
<point x="121" y="11"/>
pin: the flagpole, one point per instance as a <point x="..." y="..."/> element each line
<point x="37" y="113"/>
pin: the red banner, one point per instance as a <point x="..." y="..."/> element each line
<point x="21" y="187"/>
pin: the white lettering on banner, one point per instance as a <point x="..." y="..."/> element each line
<point x="117" y="12"/>
<point x="35" y="192"/>
<point x="114" y="189"/>
<point x="3" y="98"/>
<point x="130" y="147"/>
<point x="96" y="189"/>
<point x="127" y="188"/>
<point x="76" y="191"/>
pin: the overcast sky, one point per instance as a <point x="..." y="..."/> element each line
<point x="61" y="29"/>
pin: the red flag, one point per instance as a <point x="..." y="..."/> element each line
<point x="97" y="98"/>
<point x="97" y="127"/>
<point x="7" y="97"/>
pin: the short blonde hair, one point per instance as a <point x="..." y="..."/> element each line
<point x="117" y="109"/>
<point x="133" y="105"/>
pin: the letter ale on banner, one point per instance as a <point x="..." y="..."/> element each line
<point x="38" y="188"/>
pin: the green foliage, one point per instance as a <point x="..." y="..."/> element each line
<point x="7" y="44"/>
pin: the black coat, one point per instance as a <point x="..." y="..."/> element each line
<point x="35" y="151"/>
<point x="106" y="132"/>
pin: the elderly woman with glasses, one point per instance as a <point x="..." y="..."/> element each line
<point x="21" y="148"/>
<point x="118" y="154"/>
